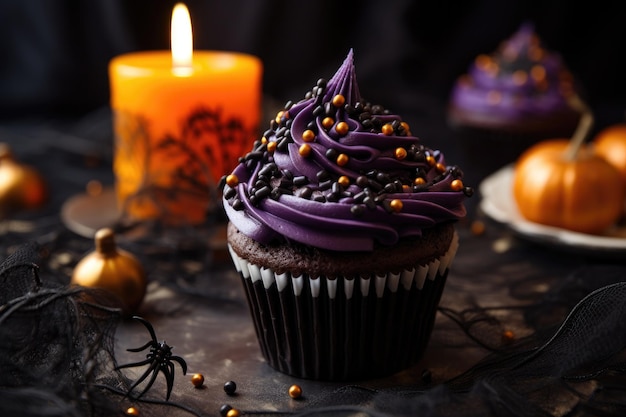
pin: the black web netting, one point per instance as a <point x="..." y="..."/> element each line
<point x="56" y="343"/>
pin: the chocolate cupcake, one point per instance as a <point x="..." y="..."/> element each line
<point x="342" y="227"/>
<point x="512" y="98"/>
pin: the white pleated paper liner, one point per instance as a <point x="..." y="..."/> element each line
<point x="346" y="328"/>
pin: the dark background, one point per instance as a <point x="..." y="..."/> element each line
<point x="54" y="53"/>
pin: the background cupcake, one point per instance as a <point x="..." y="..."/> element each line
<point x="342" y="229"/>
<point x="508" y="100"/>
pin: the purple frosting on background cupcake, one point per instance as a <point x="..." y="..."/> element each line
<point x="520" y="80"/>
<point x="336" y="172"/>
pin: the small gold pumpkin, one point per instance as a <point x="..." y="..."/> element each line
<point x="21" y="186"/>
<point x="113" y="269"/>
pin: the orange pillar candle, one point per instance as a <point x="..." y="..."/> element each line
<point x="181" y="119"/>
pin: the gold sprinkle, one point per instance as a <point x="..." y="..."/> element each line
<point x="342" y="159"/>
<point x="94" y="188"/>
<point x="493" y="70"/>
<point x="308" y="135"/>
<point x="338" y="100"/>
<point x="431" y="160"/>
<point x="132" y="411"/>
<point x="233" y="412"/>
<point x="440" y="167"/>
<point x="400" y="153"/>
<point x="344" y="181"/>
<point x="509" y="53"/>
<point x="477" y="228"/>
<point x="387" y="129"/>
<point x="263" y="140"/>
<point x="305" y="150"/>
<point x="538" y="73"/>
<point x="494" y="97"/>
<point x="508" y="336"/>
<point x="487" y="64"/>
<point x="520" y="77"/>
<point x="342" y="128"/>
<point x="271" y="147"/>
<point x="406" y="127"/>
<point x="295" y="391"/>
<point x="456" y="185"/>
<point x="406" y="188"/>
<point x="396" y="205"/>
<point x="280" y="115"/>
<point x="232" y="180"/>
<point x="483" y="61"/>
<point x="197" y="380"/>
<point x="419" y="181"/>
<point x="328" y="122"/>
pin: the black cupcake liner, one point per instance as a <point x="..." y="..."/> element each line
<point x="346" y="328"/>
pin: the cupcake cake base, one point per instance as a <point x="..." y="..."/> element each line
<point x="342" y="327"/>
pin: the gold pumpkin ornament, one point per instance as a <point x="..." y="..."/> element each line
<point x="564" y="184"/>
<point x="113" y="269"/>
<point x="21" y="186"/>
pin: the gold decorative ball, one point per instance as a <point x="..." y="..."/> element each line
<point x="114" y="270"/>
<point x="197" y="380"/>
<point x="233" y="412"/>
<point x="132" y="411"/>
<point x="295" y="391"/>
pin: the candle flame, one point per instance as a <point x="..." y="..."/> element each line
<point x="182" y="40"/>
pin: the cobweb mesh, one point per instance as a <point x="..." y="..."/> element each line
<point x="56" y="343"/>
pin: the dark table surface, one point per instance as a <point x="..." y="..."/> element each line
<point x="502" y="289"/>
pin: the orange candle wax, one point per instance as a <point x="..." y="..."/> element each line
<point x="178" y="129"/>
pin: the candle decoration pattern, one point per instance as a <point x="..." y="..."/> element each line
<point x="180" y="124"/>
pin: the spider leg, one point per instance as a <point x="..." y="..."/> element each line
<point x="156" y="369"/>
<point x="139" y="349"/>
<point x="148" y="326"/>
<point x="128" y="365"/>
<point x="182" y="363"/>
<point x="152" y="369"/>
<point x="168" y="372"/>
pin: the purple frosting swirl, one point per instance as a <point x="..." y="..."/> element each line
<point x="336" y="172"/>
<point x="520" y="80"/>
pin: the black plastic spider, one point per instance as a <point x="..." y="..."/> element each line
<point x="160" y="359"/>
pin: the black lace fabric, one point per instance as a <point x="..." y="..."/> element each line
<point x="56" y="343"/>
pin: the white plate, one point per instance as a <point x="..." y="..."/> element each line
<point x="498" y="203"/>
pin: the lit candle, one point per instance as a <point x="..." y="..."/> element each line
<point x="181" y="120"/>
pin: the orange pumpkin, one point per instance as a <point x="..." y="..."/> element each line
<point x="583" y="193"/>
<point x="610" y="143"/>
